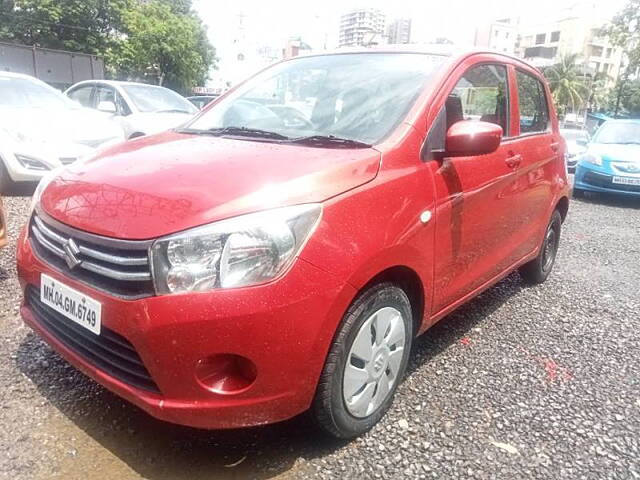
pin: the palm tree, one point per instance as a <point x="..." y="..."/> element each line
<point x="567" y="83"/>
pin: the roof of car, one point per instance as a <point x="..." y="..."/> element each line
<point x="444" y="50"/>
<point x="115" y="83"/>
<point x="17" y="75"/>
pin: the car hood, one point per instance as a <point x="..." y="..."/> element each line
<point x="65" y="125"/>
<point x="150" y="123"/>
<point x="157" y="185"/>
<point x="616" y="153"/>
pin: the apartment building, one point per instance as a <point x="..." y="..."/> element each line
<point x="362" y="27"/>
<point x="399" y="31"/>
<point x="500" y="36"/>
<point x="577" y="31"/>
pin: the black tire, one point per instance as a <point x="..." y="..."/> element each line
<point x="537" y="270"/>
<point x="329" y="409"/>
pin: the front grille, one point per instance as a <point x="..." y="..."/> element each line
<point x="606" y="181"/>
<point x="117" y="267"/>
<point x="108" y="351"/>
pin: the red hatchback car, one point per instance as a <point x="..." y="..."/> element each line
<point x="282" y="250"/>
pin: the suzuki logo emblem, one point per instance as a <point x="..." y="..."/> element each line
<point x="71" y="252"/>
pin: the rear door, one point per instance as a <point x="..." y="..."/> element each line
<point x="478" y="199"/>
<point x="539" y="147"/>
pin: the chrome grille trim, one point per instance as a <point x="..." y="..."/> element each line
<point x="118" y="267"/>
<point x="90" y="252"/>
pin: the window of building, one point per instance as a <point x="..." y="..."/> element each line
<point x="596" y="51"/>
<point x="555" y="36"/>
<point x="609" y="52"/>
<point x="541" y="38"/>
<point x="532" y="101"/>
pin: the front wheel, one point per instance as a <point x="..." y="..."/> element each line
<point x="367" y="360"/>
<point x="537" y="270"/>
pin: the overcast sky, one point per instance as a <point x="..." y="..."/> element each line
<point x="316" y="22"/>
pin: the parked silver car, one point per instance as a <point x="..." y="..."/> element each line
<point x="41" y="129"/>
<point x="141" y="109"/>
<point x="576" y="145"/>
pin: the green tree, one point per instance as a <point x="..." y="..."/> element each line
<point x="89" y="26"/>
<point x="164" y="47"/>
<point x="568" y="84"/>
<point x="624" y="32"/>
<point x="159" y="41"/>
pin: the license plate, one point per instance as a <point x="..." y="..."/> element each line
<point x="76" y="306"/>
<point x="626" y="181"/>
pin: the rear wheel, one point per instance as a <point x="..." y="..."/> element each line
<point x="537" y="270"/>
<point x="367" y="360"/>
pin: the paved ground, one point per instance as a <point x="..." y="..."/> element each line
<point x="537" y="382"/>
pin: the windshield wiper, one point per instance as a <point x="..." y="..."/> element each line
<point x="239" y="132"/>
<point x="330" y="141"/>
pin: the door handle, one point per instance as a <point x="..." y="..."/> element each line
<point x="514" y="161"/>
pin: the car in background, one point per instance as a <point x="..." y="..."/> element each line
<point x="41" y="129"/>
<point x="140" y="109"/>
<point x="3" y="226"/>
<point x="202" y="101"/>
<point x="576" y="140"/>
<point x="611" y="163"/>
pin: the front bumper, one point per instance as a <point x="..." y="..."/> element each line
<point x="284" y="328"/>
<point x="596" y="180"/>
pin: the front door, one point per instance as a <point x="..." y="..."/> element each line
<point x="478" y="196"/>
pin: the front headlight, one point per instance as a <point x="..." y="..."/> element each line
<point x="238" y="252"/>
<point x="591" y="158"/>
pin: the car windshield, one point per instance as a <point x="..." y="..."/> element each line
<point x="148" y="98"/>
<point x="621" y="133"/>
<point x="573" y="135"/>
<point x="354" y="97"/>
<point x="17" y="92"/>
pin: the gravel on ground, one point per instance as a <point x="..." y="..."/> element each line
<point x="523" y="382"/>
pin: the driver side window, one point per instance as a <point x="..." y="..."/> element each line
<point x="481" y="94"/>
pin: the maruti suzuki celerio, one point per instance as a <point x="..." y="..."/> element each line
<point x="281" y="251"/>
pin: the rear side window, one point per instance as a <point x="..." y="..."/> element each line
<point x="534" y="111"/>
<point x="82" y="95"/>
<point x="481" y="94"/>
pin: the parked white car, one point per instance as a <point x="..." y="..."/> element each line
<point x="41" y="129"/>
<point x="141" y="109"/>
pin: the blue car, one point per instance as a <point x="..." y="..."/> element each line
<point x="611" y="163"/>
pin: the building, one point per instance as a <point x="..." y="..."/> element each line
<point x="575" y="31"/>
<point x="399" y="31"/>
<point x="500" y="36"/>
<point x="362" y="27"/>
<point x="296" y="47"/>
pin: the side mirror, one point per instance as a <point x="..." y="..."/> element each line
<point x="469" y="138"/>
<point x="107" y="107"/>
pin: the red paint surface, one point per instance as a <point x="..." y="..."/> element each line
<point x="488" y="218"/>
